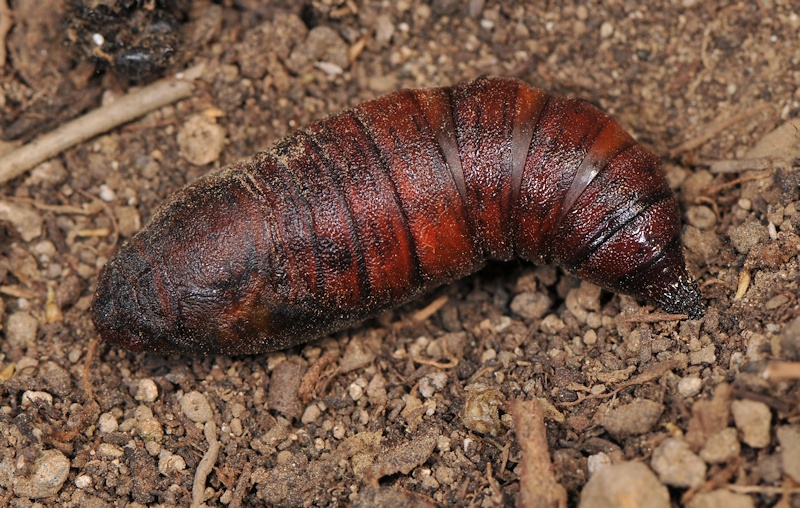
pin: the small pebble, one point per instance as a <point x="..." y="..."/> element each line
<point x="74" y="355"/>
<point x="753" y="420"/>
<point x="311" y="414"/>
<point x="432" y="383"/>
<point x="322" y="44"/>
<point x="720" y="498"/>
<point x="153" y="448"/>
<point x="196" y="407"/>
<point x="583" y="299"/>
<point x="701" y="217"/>
<point x="677" y="465"/>
<point x="531" y="305"/>
<point x="107" y="194"/>
<point x="721" y="447"/>
<point x="147" y="390"/>
<point x="606" y="30"/>
<point x="355" y="357"/>
<point x="83" y="481"/>
<point x="706" y="355"/>
<point x="47" y="476"/>
<point x="201" y="140"/>
<point x="628" y="484"/>
<point x="339" y="432"/>
<point x="355" y="391"/>
<point x="30" y="397"/>
<point x="226" y="497"/>
<point x="551" y="324"/>
<point x="445" y="475"/>
<point x="237" y="429"/>
<point x="597" y="462"/>
<point x="109" y="451"/>
<point x="147" y="426"/>
<point x="169" y="463"/>
<point x="689" y="386"/>
<point x="384" y="28"/>
<point x="107" y="423"/>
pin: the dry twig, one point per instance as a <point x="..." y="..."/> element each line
<point x="715" y="128"/>
<point x="430" y="309"/>
<point x="123" y="110"/>
<point x="206" y="465"/>
<point x="762" y="489"/>
<point x="538" y="486"/>
<point x="741" y="165"/>
<point x="653" y="373"/>
<point x="6" y="21"/>
<point x="782" y="371"/>
<point x="92" y="208"/>
<point x="87" y="362"/>
<point x="733" y="183"/>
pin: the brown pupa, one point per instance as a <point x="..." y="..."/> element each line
<point x="369" y="208"/>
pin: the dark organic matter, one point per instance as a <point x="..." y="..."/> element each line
<point x="369" y="208"/>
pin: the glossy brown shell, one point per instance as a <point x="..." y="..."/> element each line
<point x="371" y="207"/>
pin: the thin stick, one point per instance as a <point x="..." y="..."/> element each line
<point x="206" y="465"/>
<point x="538" y="487"/>
<point x="123" y="110"/>
<point x="762" y="489"/>
<point x="733" y="183"/>
<point x="654" y="372"/>
<point x="715" y="128"/>
<point x="782" y="371"/>
<point x="87" y="364"/>
<point x="431" y="309"/>
<point x="741" y="165"/>
<point x="6" y="22"/>
<point x="92" y="208"/>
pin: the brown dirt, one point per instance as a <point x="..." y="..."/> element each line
<point x="355" y="418"/>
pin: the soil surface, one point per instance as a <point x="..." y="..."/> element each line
<point x="422" y="405"/>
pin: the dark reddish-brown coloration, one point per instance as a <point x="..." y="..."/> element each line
<point x="369" y="208"/>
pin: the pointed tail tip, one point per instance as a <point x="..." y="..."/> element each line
<point x="683" y="297"/>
